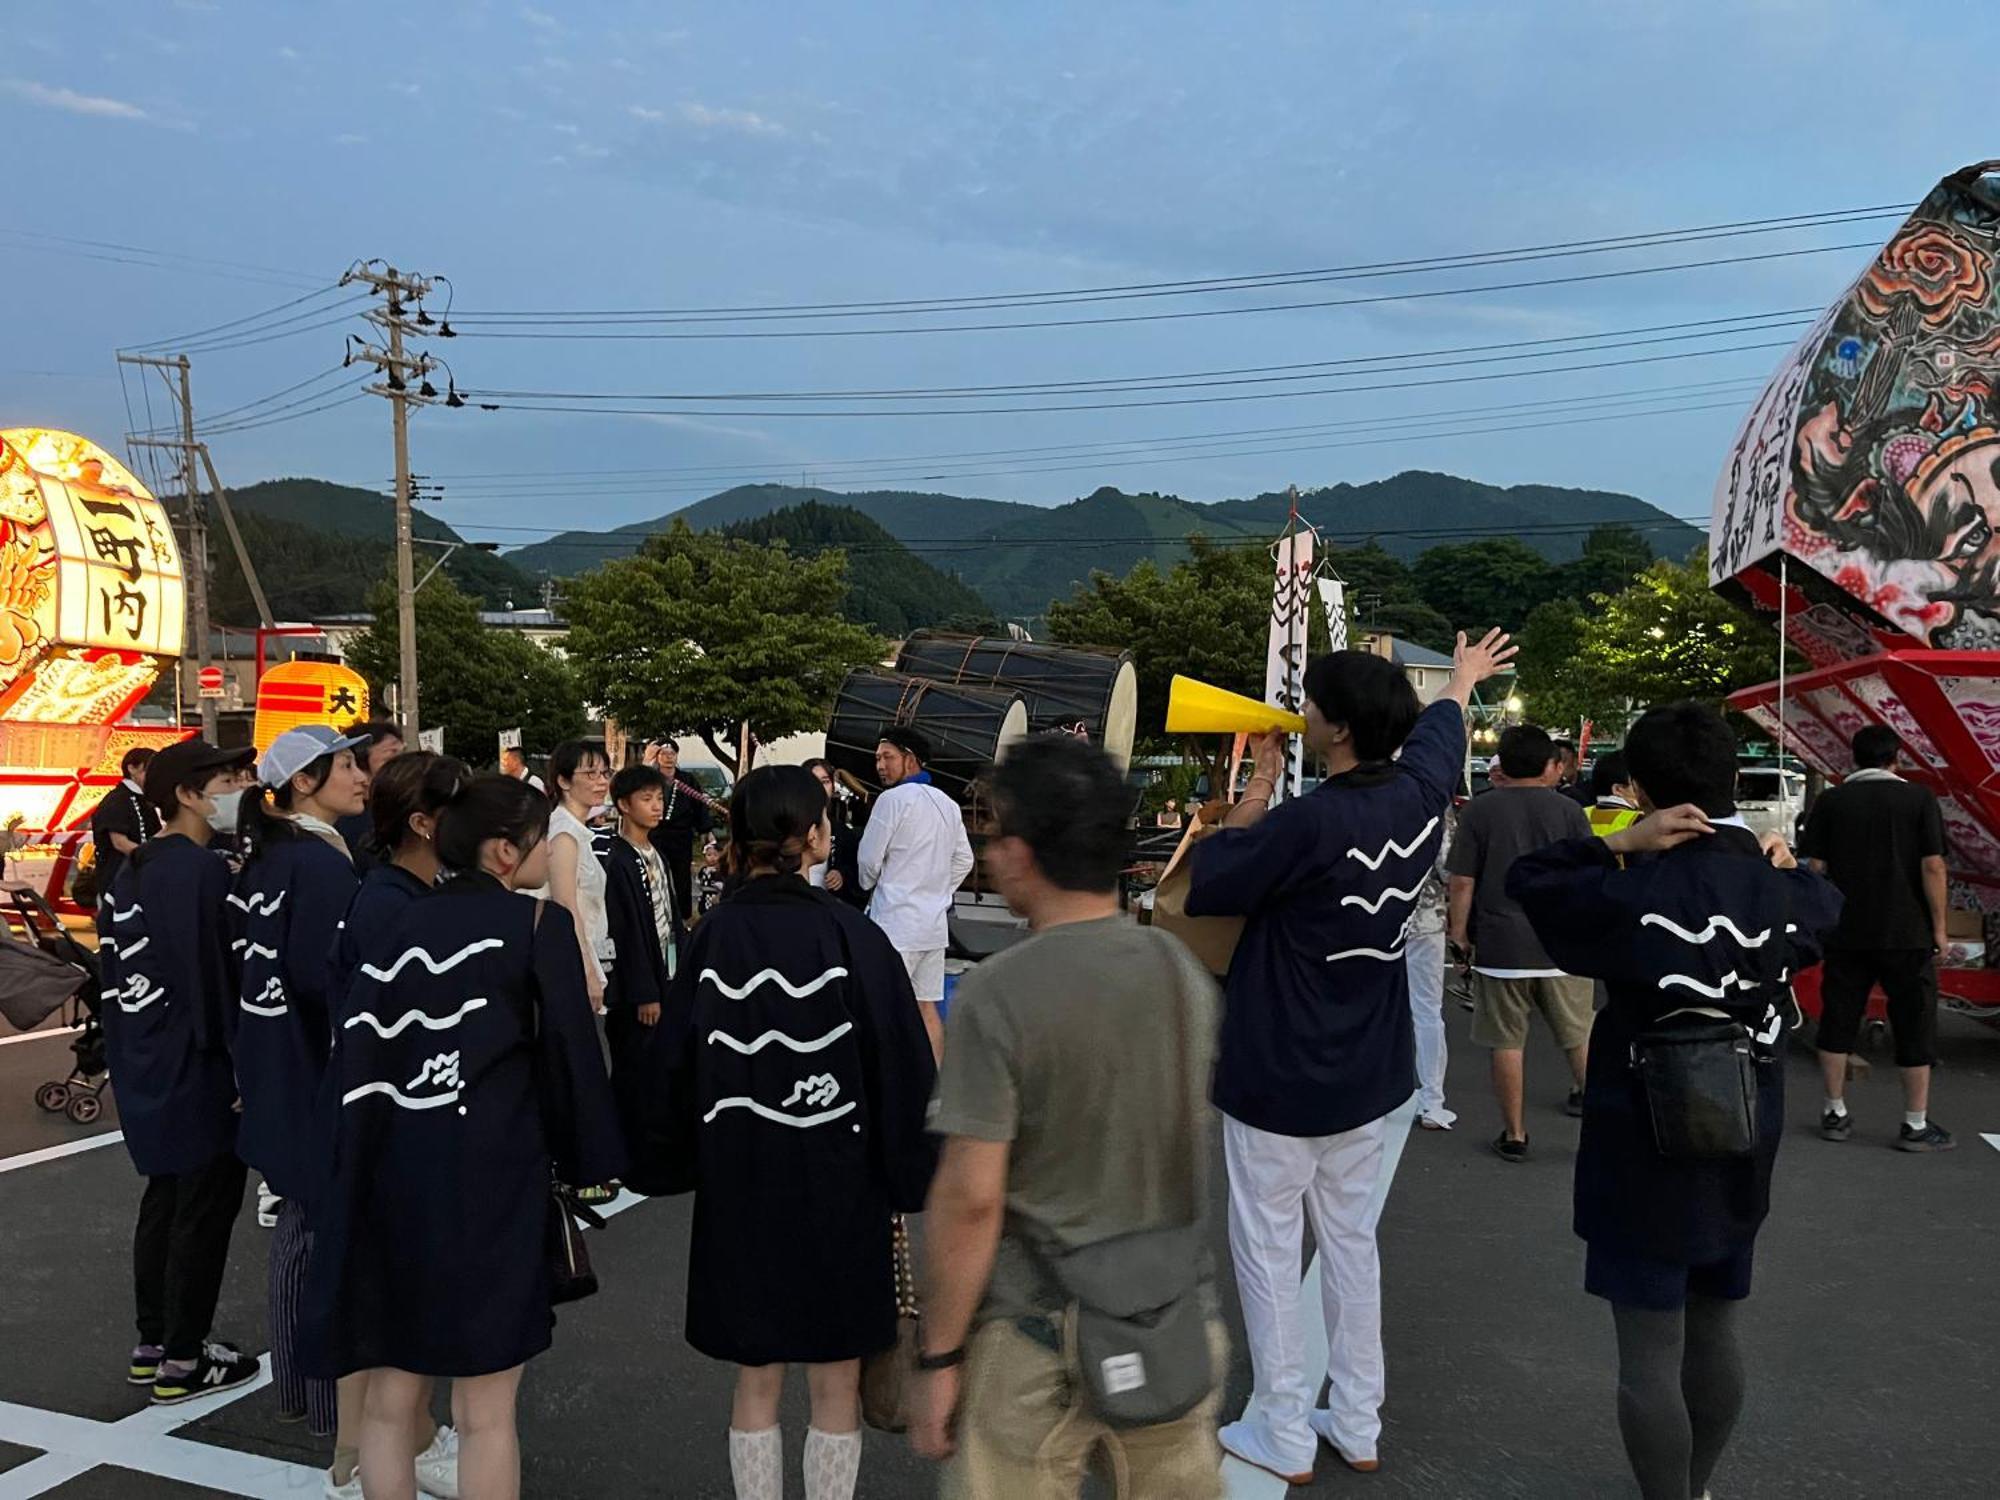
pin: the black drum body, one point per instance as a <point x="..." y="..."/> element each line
<point x="1067" y="689"/>
<point x="968" y="727"/>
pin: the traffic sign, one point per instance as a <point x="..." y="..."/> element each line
<point x="211" y="682"/>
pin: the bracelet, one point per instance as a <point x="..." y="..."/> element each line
<point x="945" y="1361"/>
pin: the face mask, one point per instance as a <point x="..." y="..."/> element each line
<point x="223" y="819"/>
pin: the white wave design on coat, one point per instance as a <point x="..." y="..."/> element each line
<point x="750" y="1049"/>
<point x="126" y="915"/>
<point x="1729" y="981"/>
<point x="1401" y="851"/>
<point x="253" y="950"/>
<point x="1373" y="907"/>
<point x="1385" y="954"/>
<point x="270" y="1001"/>
<point x="403" y="1022"/>
<point x="397" y="1097"/>
<point x="128" y="952"/>
<point x="435" y="965"/>
<point x="1717" y="923"/>
<point x="800" y="1122"/>
<point x="264" y="905"/>
<point x="772" y="976"/>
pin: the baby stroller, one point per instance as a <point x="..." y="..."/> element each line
<point x="44" y="969"/>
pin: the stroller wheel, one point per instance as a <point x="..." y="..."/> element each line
<point x="53" y="1097"/>
<point x="85" y="1108"/>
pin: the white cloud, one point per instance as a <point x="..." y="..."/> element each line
<point x="289" y="54"/>
<point x="71" y="102"/>
<point x="592" y="153"/>
<point x="567" y="129"/>
<point x="350" y="138"/>
<point x="650" y="116"/>
<point x="539" y="19"/>
<point x="740" y="121"/>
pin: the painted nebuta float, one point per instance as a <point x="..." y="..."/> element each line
<point x="1863" y="492"/>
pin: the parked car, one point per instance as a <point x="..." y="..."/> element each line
<point x="1770" y="797"/>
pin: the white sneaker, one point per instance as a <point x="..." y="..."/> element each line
<point x="1252" y="1442"/>
<point x="1321" y="1422"/>
<point x="267" y="1214"/>
<point x="437" y="1466"/>
<point x="348" y="1491"/>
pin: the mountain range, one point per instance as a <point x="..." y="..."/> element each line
<point x="319" y="546"/>
<point x="1018" y="557"/>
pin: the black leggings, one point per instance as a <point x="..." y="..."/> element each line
<point x="1680" y="1387"/>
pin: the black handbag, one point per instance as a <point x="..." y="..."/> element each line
<point x="1699" y="1071"/>
<point x="571" y="1278"/>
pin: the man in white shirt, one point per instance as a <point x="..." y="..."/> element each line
<point x="913" y="856"/>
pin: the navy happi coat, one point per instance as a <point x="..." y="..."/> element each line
<point x="1316" y="1035"/>
<point x="807" y="1071"/>
<point x="468" y="1077"/>
<point x="288" y="904"/>
<point x="1708" y="924"/>
<point x="169" y="989"/>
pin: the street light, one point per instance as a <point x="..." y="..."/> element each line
<point x="1514" y="704"/>
<point x="449" y="548"/>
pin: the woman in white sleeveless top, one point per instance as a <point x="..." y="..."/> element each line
<point x="580" y="777"/>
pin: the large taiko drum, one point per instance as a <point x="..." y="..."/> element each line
<point x="968" y="727"/>
<point x="1068" y="689"/>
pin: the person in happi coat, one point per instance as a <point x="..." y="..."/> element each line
<point x="1681" y="914"/>
<point x="382" y="743"/>
<point x="800" y="1055"/>
<point x="1317" y="1075"/>
<point x="686" y="820"/>
<point x="404" y="800"/>
<point x="122" y="821"/>
<point x="169" y="988"/>
<point x="645" y="926"/>
<point x="469" y="1078"/>
<point x="295" y="886"/>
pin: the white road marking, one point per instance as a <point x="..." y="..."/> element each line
<point x="38" y="1036"/>
<point x="55" y="1153"/>
<point x="1241" y="1481"/>
<point x="144" y="1443"/>
<point x="1992" y="1140"/>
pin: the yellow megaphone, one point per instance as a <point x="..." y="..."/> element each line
<point x="1196" y="708"/>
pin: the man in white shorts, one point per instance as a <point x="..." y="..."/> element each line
<point x="914" y="854"/>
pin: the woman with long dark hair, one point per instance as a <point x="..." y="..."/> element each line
<point x="803" y="1063"/>
<point x="404" y="800"/>
<point x="294" y="889"/>
<point x="469" y="1080"/>
<point x="840" y="875"/>
<point x="580" y="783"/>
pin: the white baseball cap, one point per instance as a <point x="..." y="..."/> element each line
<point x="295" y="749"/>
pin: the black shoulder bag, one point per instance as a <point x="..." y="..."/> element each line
<point x="571" y="1277"/>
<point x="1700" y="1075"/>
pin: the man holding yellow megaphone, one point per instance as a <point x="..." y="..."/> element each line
<point x="1318" y="1052"/>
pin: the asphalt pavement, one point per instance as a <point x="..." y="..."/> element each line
<point x="1869" y="1338"/>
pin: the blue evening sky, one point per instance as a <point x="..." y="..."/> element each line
<point x="653" y="155"/>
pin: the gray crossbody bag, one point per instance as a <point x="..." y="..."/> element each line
<point x="1136" y="1301"/>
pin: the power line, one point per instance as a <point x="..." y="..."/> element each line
<point x="1346" y="390"/>
<point x="267" y="418"/>
<point x="152" y="259"/>
<point x="1664" y="333"/>
<point x="277" y="331"/>
<point x="1167" y="317"/>
<point x="295" y="416"/>
<point x="1255" y="281"/>
<point x="202" y="333"/>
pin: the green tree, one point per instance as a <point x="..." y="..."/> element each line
<point x="1412" y="621"/>
<point x="1477" y="585"/>
<point x="700" y="633"/>
<point x="1207" y="618"/>
<point x="1665" y="636"/>
<point x="474" y="681"/>
<point x="1612" y="557"/>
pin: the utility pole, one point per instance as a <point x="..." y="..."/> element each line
<point x="195" y="563"/>
<point x="398" y="293"/>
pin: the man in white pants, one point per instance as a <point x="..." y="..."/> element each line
<point x="1318" y="1052"/>
<point x="1426" y="958"/>
<point x="913" y="856"/>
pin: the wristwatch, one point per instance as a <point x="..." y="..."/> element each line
<point x="945" y="1361"/>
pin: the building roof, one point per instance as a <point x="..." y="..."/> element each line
<point x="1407" y="654"/>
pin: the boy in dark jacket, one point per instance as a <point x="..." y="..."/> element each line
<point x="643" y="914"/>
<point x="1686" y="918"/>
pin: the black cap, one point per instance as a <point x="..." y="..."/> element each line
<point x="908" y="740"/>
<point x="181" y="763"/>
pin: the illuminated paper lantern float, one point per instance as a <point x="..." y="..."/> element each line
<point x="307" y="692"/>
<point x="91" y="612"/>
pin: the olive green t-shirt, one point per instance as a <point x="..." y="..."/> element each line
<point x="1088" y="1047"/>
